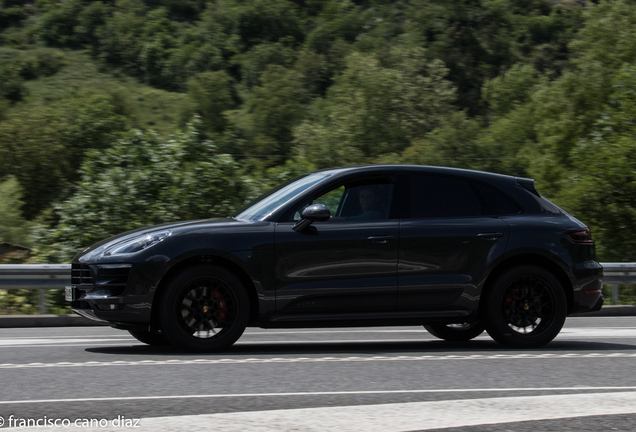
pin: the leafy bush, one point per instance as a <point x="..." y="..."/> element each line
<point x="141" y="180"/>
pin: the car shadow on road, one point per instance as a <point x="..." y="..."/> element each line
<point x="475" y="347"/>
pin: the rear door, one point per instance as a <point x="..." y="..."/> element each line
<point x="447" y="242"/>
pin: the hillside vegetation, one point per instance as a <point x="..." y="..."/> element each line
<point x="117" y="114"/>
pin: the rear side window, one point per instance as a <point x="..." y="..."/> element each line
<point x="439" y="196"/>
<point x="497" y="202"/>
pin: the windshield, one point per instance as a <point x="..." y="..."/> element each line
<point x="274" y="199"/>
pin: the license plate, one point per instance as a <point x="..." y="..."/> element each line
<point x="69" y="293"/>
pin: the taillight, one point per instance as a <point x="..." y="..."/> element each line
<point x="583" y="235"/>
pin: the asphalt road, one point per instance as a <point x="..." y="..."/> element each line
<point x="368" y="379"/>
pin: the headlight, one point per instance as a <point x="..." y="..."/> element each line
<point x="138" y="243"/>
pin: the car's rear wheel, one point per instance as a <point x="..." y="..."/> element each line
<point x="204" y="309"/>
<point x="526" y="307"/>
<point x="152" y="339"/>
<point x="456" y="332"/>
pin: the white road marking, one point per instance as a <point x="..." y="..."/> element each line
<point x="320" y="393"/>
<point x="261" y="360"/>
<point x="42" y="341"/>
<point x="255" y="337"/>
<point x="397" y="417"/>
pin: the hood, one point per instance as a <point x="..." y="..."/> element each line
<point x="97" y="249"/>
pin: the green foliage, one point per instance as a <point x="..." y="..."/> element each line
<point x="43" y="147"/>
<point x="373" y="110"/>
<point x="141" y="180"/>
<point x="211" y="95"/>
<point x="271" y="111"/>
<point x="602" y="190"/>
<point x="254" y="62"/>
<point x="13" y="227"/>
<point x="12" y="15"/>
<point x="511" y="89"/>
<point x="454" y="143"/>
<point x="18" y="302"/>
<point x="56" y="26"/>
<point x="11" y="86"/>
<point x="476" y="40"/>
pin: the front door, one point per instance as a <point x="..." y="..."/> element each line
<point x="346" y="265"/>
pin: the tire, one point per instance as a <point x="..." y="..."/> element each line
<point x="152" y="339"/>
<point x="526" y="307"/>
<point x="205" y="309"/>
<point x="456" y="332"/>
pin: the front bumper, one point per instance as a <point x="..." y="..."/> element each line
<point x="111" y="293"/>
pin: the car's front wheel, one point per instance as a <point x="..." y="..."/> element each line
<point x="456" y="332"/>
<point x="204" y="309"/>
<point x="526" y="307"/>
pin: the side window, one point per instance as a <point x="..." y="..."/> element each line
<point x="367" y="201"/>
<point x="360" y="199"/>
<point x="439" y="196"/>
<point x="498" y="202"/>
<point x="331" y="199"/>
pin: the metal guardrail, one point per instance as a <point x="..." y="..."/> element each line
<point x="35" y="276"/>
<point x="57" y="276"/>
<point x="616" y="274"/>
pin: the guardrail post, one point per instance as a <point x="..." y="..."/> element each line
<point x="614" y="294"/>
<point x="42" y="301"/>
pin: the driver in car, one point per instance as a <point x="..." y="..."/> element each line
<point x="369" y="198"/>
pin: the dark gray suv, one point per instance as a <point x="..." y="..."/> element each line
<point x="457" y="251"/>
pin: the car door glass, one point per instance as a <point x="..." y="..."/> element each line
<point x="368" y="202"/>
<point x="499" y="204"/>
<point x="362" y="199"/>
<point x="440" y="196"/>
<point x="331" y="199"/>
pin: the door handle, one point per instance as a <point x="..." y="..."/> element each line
<point x="490" y="235"/>
<point x="380" y="238"/>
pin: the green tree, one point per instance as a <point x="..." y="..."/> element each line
<point x="477" y="39"/>
<point x="602" y="189"/>
<point x="44" y="146"/>
<point x="13" y="227"/>
<point x="211" y="95"/>
<point x="143" y="180"/>
<point x="568" y="107"/>
<point x="373" y="110"/>
<point x="271" y="111"/>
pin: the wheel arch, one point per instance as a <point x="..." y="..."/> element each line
<point x="236" y="269"/>
<point x="528" y="259"/>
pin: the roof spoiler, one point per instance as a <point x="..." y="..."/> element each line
<point x="528" y="184"/>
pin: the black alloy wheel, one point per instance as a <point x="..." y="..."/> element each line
<point x="526" y="307"/>
<point x="204" y="309"/>
<point x="456" y="332"/>
<point x="152" y="339"/>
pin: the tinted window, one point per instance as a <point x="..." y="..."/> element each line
<point x="439" y="196"/>
<point x="367" y="198"/>
<point x="497" y="202"/>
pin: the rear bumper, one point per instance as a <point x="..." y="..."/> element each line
<point x="589" y="297"/>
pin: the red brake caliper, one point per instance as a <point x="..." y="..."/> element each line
<point x="220" y="304"/>
<point x="509" y="299"/>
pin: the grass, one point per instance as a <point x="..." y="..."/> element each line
<point x="81" y="76"/>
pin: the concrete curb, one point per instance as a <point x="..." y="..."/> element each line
<point x="21" y="321"/>
<point x="611" y="311"/>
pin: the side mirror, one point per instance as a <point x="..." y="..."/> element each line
<point x="313" y="213"/>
